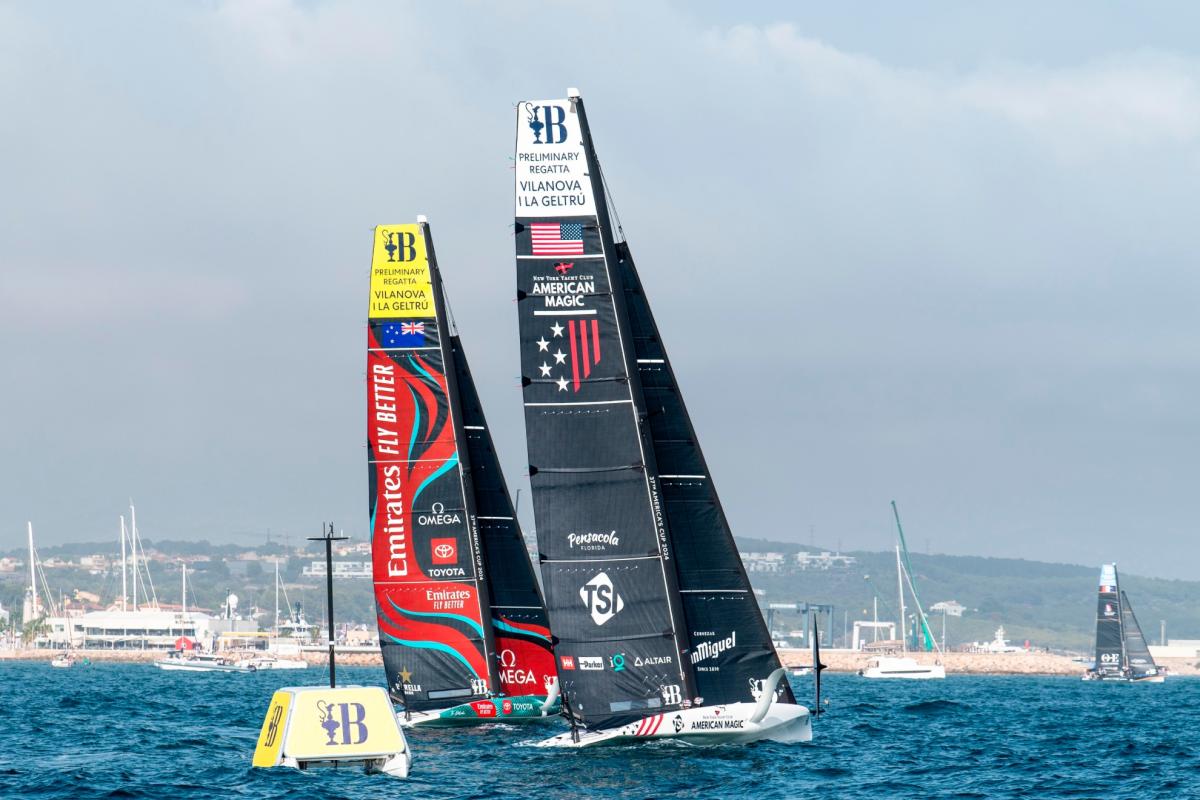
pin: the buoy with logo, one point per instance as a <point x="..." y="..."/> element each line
<point x="319" y="726"/>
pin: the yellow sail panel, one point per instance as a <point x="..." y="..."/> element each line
<point x="401" y="287"/>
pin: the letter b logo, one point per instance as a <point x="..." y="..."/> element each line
<point x="354" y="731"/>
<point x="555" y="118"/>
<point x="400" y="245"/>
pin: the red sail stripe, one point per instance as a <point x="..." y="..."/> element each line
<point x="641" y="729"/>
<point x="596" y="341"/>
<point x="657" y="724"/>
<point x="583" y="349"/>
<point x="574" y="354"/>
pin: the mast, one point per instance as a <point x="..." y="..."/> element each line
<point x="33" y="593"/>
<point x="1121" y="618"/>
<point x="183" y="589"/>
<point x="133" y="558"/>
<point x="466" y="484"/>
<point x="276" y="627"/>
<point x="124" y="586"/>
<point x="900" y="587"/>
<point x="667" y="547"/>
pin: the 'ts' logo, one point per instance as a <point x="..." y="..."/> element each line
<point x="547" y="120"/>
<point x="400" y="245"/>
<point x="601" y="599"/>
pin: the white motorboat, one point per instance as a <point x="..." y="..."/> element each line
<point x="201" y="663"/>
<point x="259" y="662"/>
<point x="901" y="667"/>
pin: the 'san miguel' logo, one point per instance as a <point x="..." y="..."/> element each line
<point x="400" y="245"/>
<point x="548" y="119"/>
<point x="353" y="727"/>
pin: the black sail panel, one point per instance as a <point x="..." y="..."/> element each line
<point x="1137" y="652"/>
<point x="1110" y="646"/>
<point x="731" y="648"/>
<point x="524" y="655"/>
<point x="610" y="589"/>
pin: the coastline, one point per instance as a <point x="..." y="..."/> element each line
<point x="839" y="661"/>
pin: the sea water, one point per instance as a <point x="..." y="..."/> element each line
<point x="132" y="731"/>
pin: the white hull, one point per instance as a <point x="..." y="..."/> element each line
<point x="902" y="669"/>
<point x="62" y="664"/>
<point x="728" y="724"/>
<point x="171" y="665"/>
<point x="273" y="663"/>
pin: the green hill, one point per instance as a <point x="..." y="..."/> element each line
<point x="1048" y="604"/>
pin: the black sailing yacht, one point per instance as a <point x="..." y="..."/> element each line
<point x="657" y="630"/>
<point x="1121" y="650"/>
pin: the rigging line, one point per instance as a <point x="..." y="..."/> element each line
<point x="608" y="195"/>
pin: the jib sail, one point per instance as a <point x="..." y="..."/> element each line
<point x="1137" y="652"/>
<point x="1110" y="644"/>
<point x="431" y="593"/>
<point x="525" y="661"/>
<point x="647" y="598"/>
<point x="731" y="648"/>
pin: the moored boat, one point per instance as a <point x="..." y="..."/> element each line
<point x="187" y="661"/>
<point x="901" y="667"/>
<point x="657" y="630"/>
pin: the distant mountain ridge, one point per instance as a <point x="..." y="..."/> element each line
<point x="1046" y="603"/>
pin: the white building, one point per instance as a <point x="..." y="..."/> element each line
<point x="341" y="569"/>
<point x="951" y="608"/>
<point x="762" y="562"/>
<point x="824" y="560"/>
<point x="146" y="629"/>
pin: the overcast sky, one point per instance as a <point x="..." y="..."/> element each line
<point x="922" y="252"/>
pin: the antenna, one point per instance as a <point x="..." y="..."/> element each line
<point x="329" y="539"/>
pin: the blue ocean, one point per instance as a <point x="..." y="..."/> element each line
<point x="131" y="731"/>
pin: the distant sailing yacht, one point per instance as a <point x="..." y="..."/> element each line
<point x="462" y="625"/>
<point x="1121" y="650"/>
<point x="905" y="666"/>
<point x="657" y="630"/>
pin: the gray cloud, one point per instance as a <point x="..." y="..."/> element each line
<point x="959" y="277"/>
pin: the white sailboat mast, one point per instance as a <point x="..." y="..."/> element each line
<point x="124" y="570"/>
<point x="900" y="585"/>
<point x="33" y="593"/>
<point x="277" y="597"/>
<point x="133" y="552"/>
<point x="183" y="573"/>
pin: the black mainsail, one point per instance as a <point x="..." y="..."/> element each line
<point x="1110" y="643"/>
<point x="650" y="606"/>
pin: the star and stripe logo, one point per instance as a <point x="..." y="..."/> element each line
<point x="576" y="352"/>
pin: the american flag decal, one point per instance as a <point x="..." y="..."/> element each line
<point x="584" y="353"/>
<point x="556" y="238"/>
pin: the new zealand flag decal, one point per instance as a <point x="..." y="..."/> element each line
<point x="403" y="334"/>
